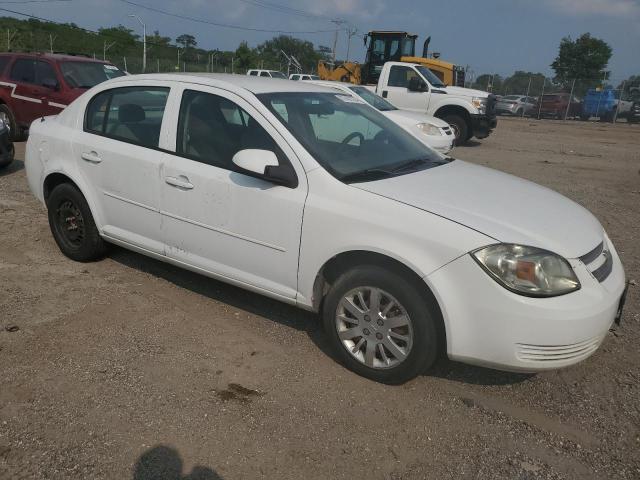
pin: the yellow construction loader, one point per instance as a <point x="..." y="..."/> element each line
<point x="382" y="47"/>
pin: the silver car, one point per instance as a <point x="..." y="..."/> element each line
<point x="515" y="105"/>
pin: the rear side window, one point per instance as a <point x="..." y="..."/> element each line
<point x="3" y="63"/>
<point x="130" y="114"/>
<point x="253" y="73"/>
<point x="265" y="74"/>
<point x="24" y="70"/>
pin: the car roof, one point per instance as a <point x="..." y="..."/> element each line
<point x="330" y="83"/>
<point x="55" y="56"/>
<point x="228" y="81"/>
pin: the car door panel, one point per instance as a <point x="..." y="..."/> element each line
<point x="231" y="224"/>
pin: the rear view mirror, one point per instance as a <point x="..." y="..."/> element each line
<point x="265" y="164"/>
<point x="416" y="84"/>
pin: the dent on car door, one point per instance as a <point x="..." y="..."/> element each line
<point x="219" y="219"/>
<point x="117" y="153"/>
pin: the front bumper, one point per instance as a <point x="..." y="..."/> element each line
<point x="483" y="125"/>
<point x="490" y="326"/>
<point x="6" y="148"/>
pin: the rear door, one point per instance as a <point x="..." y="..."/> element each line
<point x="397" y="90"/>
<point x="118" y="153"/>
<point x="25" y="94"/>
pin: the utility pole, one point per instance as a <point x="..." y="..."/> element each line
<point x="351" y="32"/>
<point x="106" y="47"/>
<point x="144" y="41"/>
<point x="338" y="23"/>
<point x="178" y="49"/>
<point x="10" y="36"/>
<point x="52" y="38"/>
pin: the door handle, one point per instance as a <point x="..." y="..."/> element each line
<point x="91" y="157"/>
<point x="384" y="94"/>
<point x="181" y="182"/>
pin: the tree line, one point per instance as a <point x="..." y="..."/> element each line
<point x="120" y="42"/>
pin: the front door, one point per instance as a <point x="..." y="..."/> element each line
<point x="218" y="219"/>
<point x="118" y="153"/>
<point x="398" y="93"/>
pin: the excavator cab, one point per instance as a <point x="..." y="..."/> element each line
<point x="385" y="47"/>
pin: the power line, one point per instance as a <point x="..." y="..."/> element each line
<point x="284" y="9"/>
<point x="223" y="25"/>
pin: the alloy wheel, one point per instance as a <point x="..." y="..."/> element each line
<point x="374" y="327"/>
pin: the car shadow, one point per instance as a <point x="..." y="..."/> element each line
<point x="470" y="143"/>
<point x="13" y="167"/>
<point x="472" y="375"/>
<point x="164" y="463"/>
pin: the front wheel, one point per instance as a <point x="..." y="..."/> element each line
<point x="9" y="119"/>
<point x="460" y="128"/>
<point x="380" y="325"/>
<point x="72" y="224"/>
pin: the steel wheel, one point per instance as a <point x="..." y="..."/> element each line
<point x="70" y="223"/>
<point x="374" y="327"/>
<point x="4" y="116"/>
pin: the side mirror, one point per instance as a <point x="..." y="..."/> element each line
<point x="416" y="84"/>
<point x="264" y="164"/>
<point x="51" y="83"/>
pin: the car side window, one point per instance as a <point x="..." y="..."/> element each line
<point x="24" y="70"/>
<point x="4" y="60"/>
<point x="45" y="74"/>
<point x="212" y="129"/>
<point x="253" y="73"/>
<point x="130" y="114"/>
<point x="265" y="74"/>
<point x="399" y="76"/>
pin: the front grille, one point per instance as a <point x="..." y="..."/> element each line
<point x="558" y="353"/>
<point x="599" y="261"/>
<point x="491" y="106"/>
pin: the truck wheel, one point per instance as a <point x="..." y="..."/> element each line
<point x="7" y="116"/>
<point x="460" y="128"/>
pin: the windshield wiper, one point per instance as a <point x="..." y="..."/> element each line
<point x="410" y="165"/>
<point x="367" y="174"/>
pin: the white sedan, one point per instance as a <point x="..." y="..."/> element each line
<point x="297" y="192"/>
<point x="430" y="130"/>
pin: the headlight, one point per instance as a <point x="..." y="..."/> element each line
<point x="480" y="104"/>
<point x="429" y="129"/>
<point x="527" y="270"/>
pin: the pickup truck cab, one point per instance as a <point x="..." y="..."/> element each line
<point x="256" y="72"/>
<point x="411" y="86"/>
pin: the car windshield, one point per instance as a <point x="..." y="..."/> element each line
<point x="430" y="76"/>
<point x="372" y="99"/>
<point x="351" y="140"/>
<point x="88" y="74"/>
<point x="278" y="75"/>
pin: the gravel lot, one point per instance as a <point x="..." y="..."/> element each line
<point x="127" y="366"/>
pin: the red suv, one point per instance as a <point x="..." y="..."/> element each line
<point x="33" y="85"/>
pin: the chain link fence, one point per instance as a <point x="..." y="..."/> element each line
<point x="615" y="100"/>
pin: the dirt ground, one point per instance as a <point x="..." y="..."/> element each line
<point x="129" y="368"/>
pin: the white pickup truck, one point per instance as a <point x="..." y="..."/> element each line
<point x="411" y="86"/>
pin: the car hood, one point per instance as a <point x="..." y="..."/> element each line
<point x="465" y="92"/>
<point x="506" y="208"/>
<point x="406" y="117"/>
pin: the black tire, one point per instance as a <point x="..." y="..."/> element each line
<point x="460" y="128"/>
<point x="424" y="350"/>
<point x="72" y="225"/>
<point x="16" y="133"/>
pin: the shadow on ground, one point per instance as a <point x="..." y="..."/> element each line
<point x="13" y="167"/>
<point x="292" y="317"/>
<point x="165" y="463"/>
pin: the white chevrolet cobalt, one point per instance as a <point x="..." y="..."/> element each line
<point x="294" y="191"/>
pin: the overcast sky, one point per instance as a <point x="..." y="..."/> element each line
<point x="490" y="36"/>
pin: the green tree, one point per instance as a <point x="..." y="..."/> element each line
<point x="270" y="52"/>
<point x="585" y="59"/>
<point x="245" y="57"/>
<point x="186" y="41"/>
<point x="491" y="82"/>
<point x="122" y="35"/>
<point x="518" y="83"/>
<point x="158" y="40"/>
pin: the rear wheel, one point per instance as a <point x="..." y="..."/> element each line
<point x="72" y="224"/>
<point x="460" y="128"/>
<point x="380" y="325"/>
<point x="7" y="116"/>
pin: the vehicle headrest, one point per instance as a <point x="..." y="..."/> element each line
<point x="130" y="113"/>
